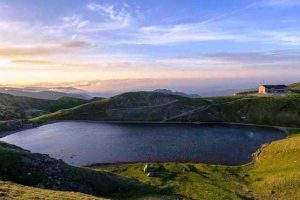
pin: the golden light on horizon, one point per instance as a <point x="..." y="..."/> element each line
<point x="4" y="62"/>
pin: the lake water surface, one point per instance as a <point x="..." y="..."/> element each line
<point x="85" y="143"/>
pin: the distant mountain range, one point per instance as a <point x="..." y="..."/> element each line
<point x="46" y="93"/>
<point x="166" y="91"/>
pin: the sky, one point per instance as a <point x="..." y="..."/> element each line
<point x="121" y="45"/>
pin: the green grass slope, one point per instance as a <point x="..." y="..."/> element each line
<point x="133" y="106"/>
<point x="15" y="110"/>
<point x="16" y="107"/>
<point x="10" y="190"/>
<point x="37" y="170"/>
<point x="148" y="106"/>
<point x="189" y="181"/>
<point x="277" y="111"/>
<point x="274" y="174"/>
<point x="295" y="87"/>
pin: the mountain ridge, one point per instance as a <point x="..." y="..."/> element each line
<point x="16" y="110"/>
<point x="160" y="107"/>
<point x="44" y="93"/>
<point x="166" y="91"/>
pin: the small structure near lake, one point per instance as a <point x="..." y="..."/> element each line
<point x="273" y="89"/>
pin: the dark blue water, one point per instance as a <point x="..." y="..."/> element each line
<point x="85" y="143"/>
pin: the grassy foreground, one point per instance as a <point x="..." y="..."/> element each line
<point x="274" y="174"/>
<point x="189" y="181"/>
<point x="9" y="190"/>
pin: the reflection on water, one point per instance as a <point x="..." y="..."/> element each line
<point x="85" y="143"/>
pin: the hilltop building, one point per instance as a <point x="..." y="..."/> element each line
<point x="273" y="89"/>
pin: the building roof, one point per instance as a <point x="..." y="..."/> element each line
<point x="275" y="86"/>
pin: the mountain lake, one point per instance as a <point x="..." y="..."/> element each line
<point x="82" y="143"/>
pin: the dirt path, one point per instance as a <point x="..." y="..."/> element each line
<point x="202" y="108"/>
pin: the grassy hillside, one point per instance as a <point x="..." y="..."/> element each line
<point x="189" y="181"/>
<point x="278" y="111"/>
<point x="37" y="170"/>
<point x="274" y="174"/>
<point x="295" y="87"/>
<point x="247" y="92"/>
<point x="148" y="106"/>
<point x="15" y="107"/>
<point x="133" y="106"/>
<point x="15" y="111"/>
<point x="10" y="190"/>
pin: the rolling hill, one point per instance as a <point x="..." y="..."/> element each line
<point x="177" y="93"/>
<point x="295" y="87"/>
<point x="161" y="107"/>
<point x="15" y="110"/>
<point x="15" y="107"/>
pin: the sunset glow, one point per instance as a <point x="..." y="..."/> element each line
<point x="121" y="40"/>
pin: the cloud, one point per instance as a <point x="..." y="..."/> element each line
<point x="251" y="60"/>
<point x="112" y="18"/>
<point x="65" y="26"/>
<point x="215" y="28"/>
<point x="73" y="44"/>
<point x="31" y="62"/>
<point x="110" y="11"/>
<point x="73" y="21"/>
<point x="282" y="2"/>
<point x="224" y="30"/>
<point x="194" y="32"/>
<point x="44" y="49"/>
<point x="19" y="32"/>
<point x="3" y="6"/>
<point x="28" y="51"/>
<point x="259" y="57"/>
<point x="284" y="37"/>
<point x="115" y="14"/>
